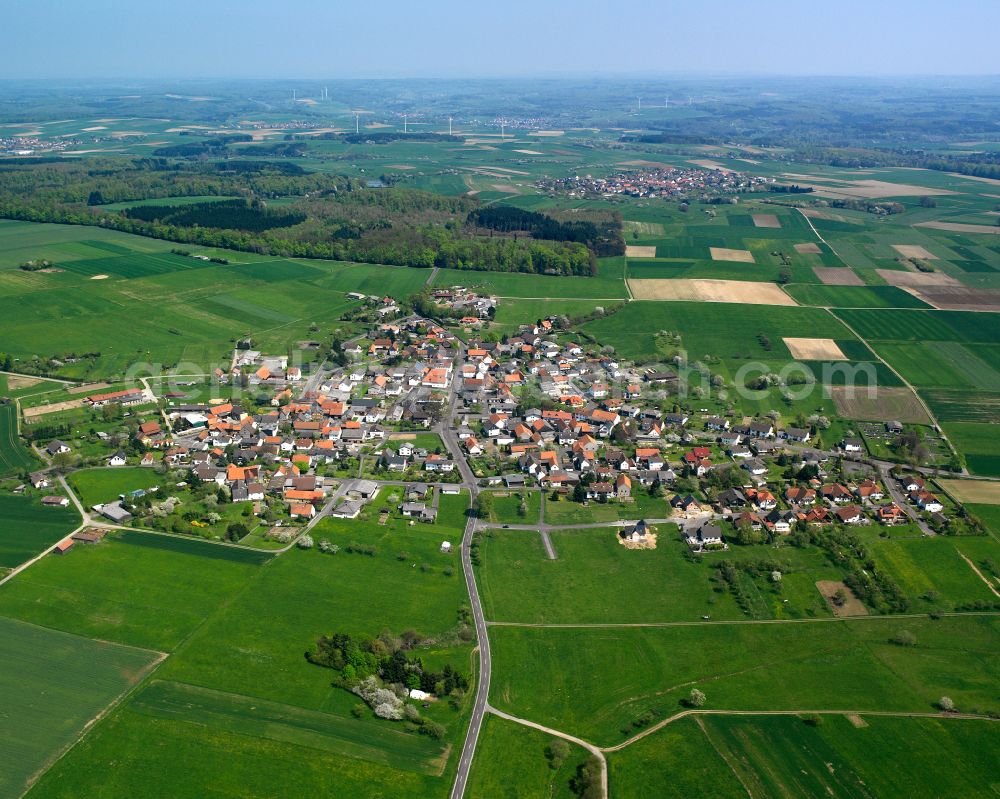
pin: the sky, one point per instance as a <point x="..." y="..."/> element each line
<point x="130" y="39"/>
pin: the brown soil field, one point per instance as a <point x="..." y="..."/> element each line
<point x="871" y="189"/>
<point x="706" y="164"/>
<point x="529" y="152"/>
<point x="726" y="254"/>
<point x="817" y="214"/>
<point x="808" y="248"/>
<point x="897" y="404"/>
<point x="958" y="298"/>
<point x="88" y="388"/>
<point x="506" y="188"/>
<point x="766" y="220"/>
<point x="903" y="279"/>
<point x="958" y="227"/>
<point x="914" y="251"/>
<point x="41" y="410"/>
<point x="400" y="166"/>
<point x="814" y="349"/>
<point x="739" y="291"/>
<point x="17" y="382"/>
<point x="982" y="492"/>
<point x="837" y="276"/>
<point x="638" y="251"/>
<point x="852" y="605"/>
<point x="991" y="181"/>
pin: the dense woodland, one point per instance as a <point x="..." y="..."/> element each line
<point x="335" y="217"/>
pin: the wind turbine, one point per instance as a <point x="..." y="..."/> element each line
<point x="357" y="123"/>
<point x="404" y="123"/>
<point x="449" y="126"/>
<point x="639" y="109"/>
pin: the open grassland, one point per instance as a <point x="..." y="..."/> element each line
<point x="641" y="506"/>
<point x="511" y="763"/>
<point x="934" y="573"/>
<point x="14" y="456"/>
<point x="718" y="329"/>
<point x="836" y="758"/>
<point x="117" y="591"/>
<point x="27" y="527"/>
<point x="596" y="580"/>
<point x="595" y="682"/>
<point x="52" y="685"/>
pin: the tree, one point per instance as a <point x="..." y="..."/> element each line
<point x="696" y="698"/>
<point x="556" y="753"/>
<point x="946" y="704"/>
<point x="236" y="531"/>
<point x="484" y="505"/>
<point x="305" y="542"/>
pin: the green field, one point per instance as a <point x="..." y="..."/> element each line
<point x="14" y="456"/>
<point x="131" y="594"/>
<point x="595" y="682"/>
<point x="608" y="285"/>
<point x="28" y="527"/>
<point x="729" y="756"/>
<point x="511" y="763"/>
<point x="854" y="296"/>
<point x="51" y="686"/>
<point x="97" y="486"/>
<point x="979" y="443"/>
<point x="597" y="580"/>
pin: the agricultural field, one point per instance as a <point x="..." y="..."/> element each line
<point x="836" y="665"/>
<point x="45" y="709"/>
<point x="28" y="527"/>
<point x="607" y="285"/>
<point x="979" y="443"/>
<point x="847" y="757"/>
<point x="14" y="456"/>
<point x="133" y="588"/>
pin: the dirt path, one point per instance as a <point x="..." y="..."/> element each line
<point x="980" y="575"/>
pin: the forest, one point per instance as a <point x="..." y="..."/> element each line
<point x="599" y="231"/>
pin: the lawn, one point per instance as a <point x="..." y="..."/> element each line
<point x="51" y="686"/>
<point x="507" y="507"/>
<point x="595" y="682"/>
<point x="565" y="512"/>
<point x="97" y="486"/>
<point x="511" y="763"/>
<point x="144" y="596"/>
<point x="28" y="527"/>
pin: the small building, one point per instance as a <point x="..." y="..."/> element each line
<point x="55" y="501"/>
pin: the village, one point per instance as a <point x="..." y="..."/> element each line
<point x="665" y="182"/>
<point x="416" y="407"/>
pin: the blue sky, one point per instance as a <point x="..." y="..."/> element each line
<point x="463" y="38"/>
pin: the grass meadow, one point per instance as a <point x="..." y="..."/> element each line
<point x="595" y="682"/>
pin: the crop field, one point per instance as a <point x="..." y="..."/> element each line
<point x="730" y="291"/>
<point x="979" y="443"/>
<point x="45" y="707"/>
<point x="607" y="285"/>
<point x="596" y="580"/>
<point x="899" y="404"/>
<point x="838" y="296"/>
<point x="14" y="456"/>
<point x="723" y="330"/>
<point x="849" y="665"/>
<point x="116" y="591"/>
<point x="840" y="757"/>
<point x="973" y="491"/>
<point x="28" y="527"/>
<point x="941" y="364"/>
<point x="511" y="763"/>
<point x="100" y="485"/>
<point x="957" y="405"/>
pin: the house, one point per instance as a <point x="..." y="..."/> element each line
<point x="39" y="480"/>
<point x="685" y="504"/>
<point x="114" y="511"/>
<point x="118" y="459"/>
<point x="755" y="466"/>
<point x="800" y="434"/>
<point x="762" y="499"/>
<point x="147" y="460"/>
<point x="837" y="494"/>
<point x="705" y="536"/>
<point x="800" y="496"/>
<point x="55" y="501"/>
<point x="851" y="514"/>
<point x="732" y="498"/>
<point x="926" y="501"/>
<point x="623" y="486"/>
<point x="348" y="510"/>
<point x="57" y="447"/>
<point x="868" y="489"/>
<point x="852" y="445"/>
<point x="302" y="510"/>
<point x="891" y="514"/>
<point x="366" y="489"/>
<point x="635" y="533"/>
